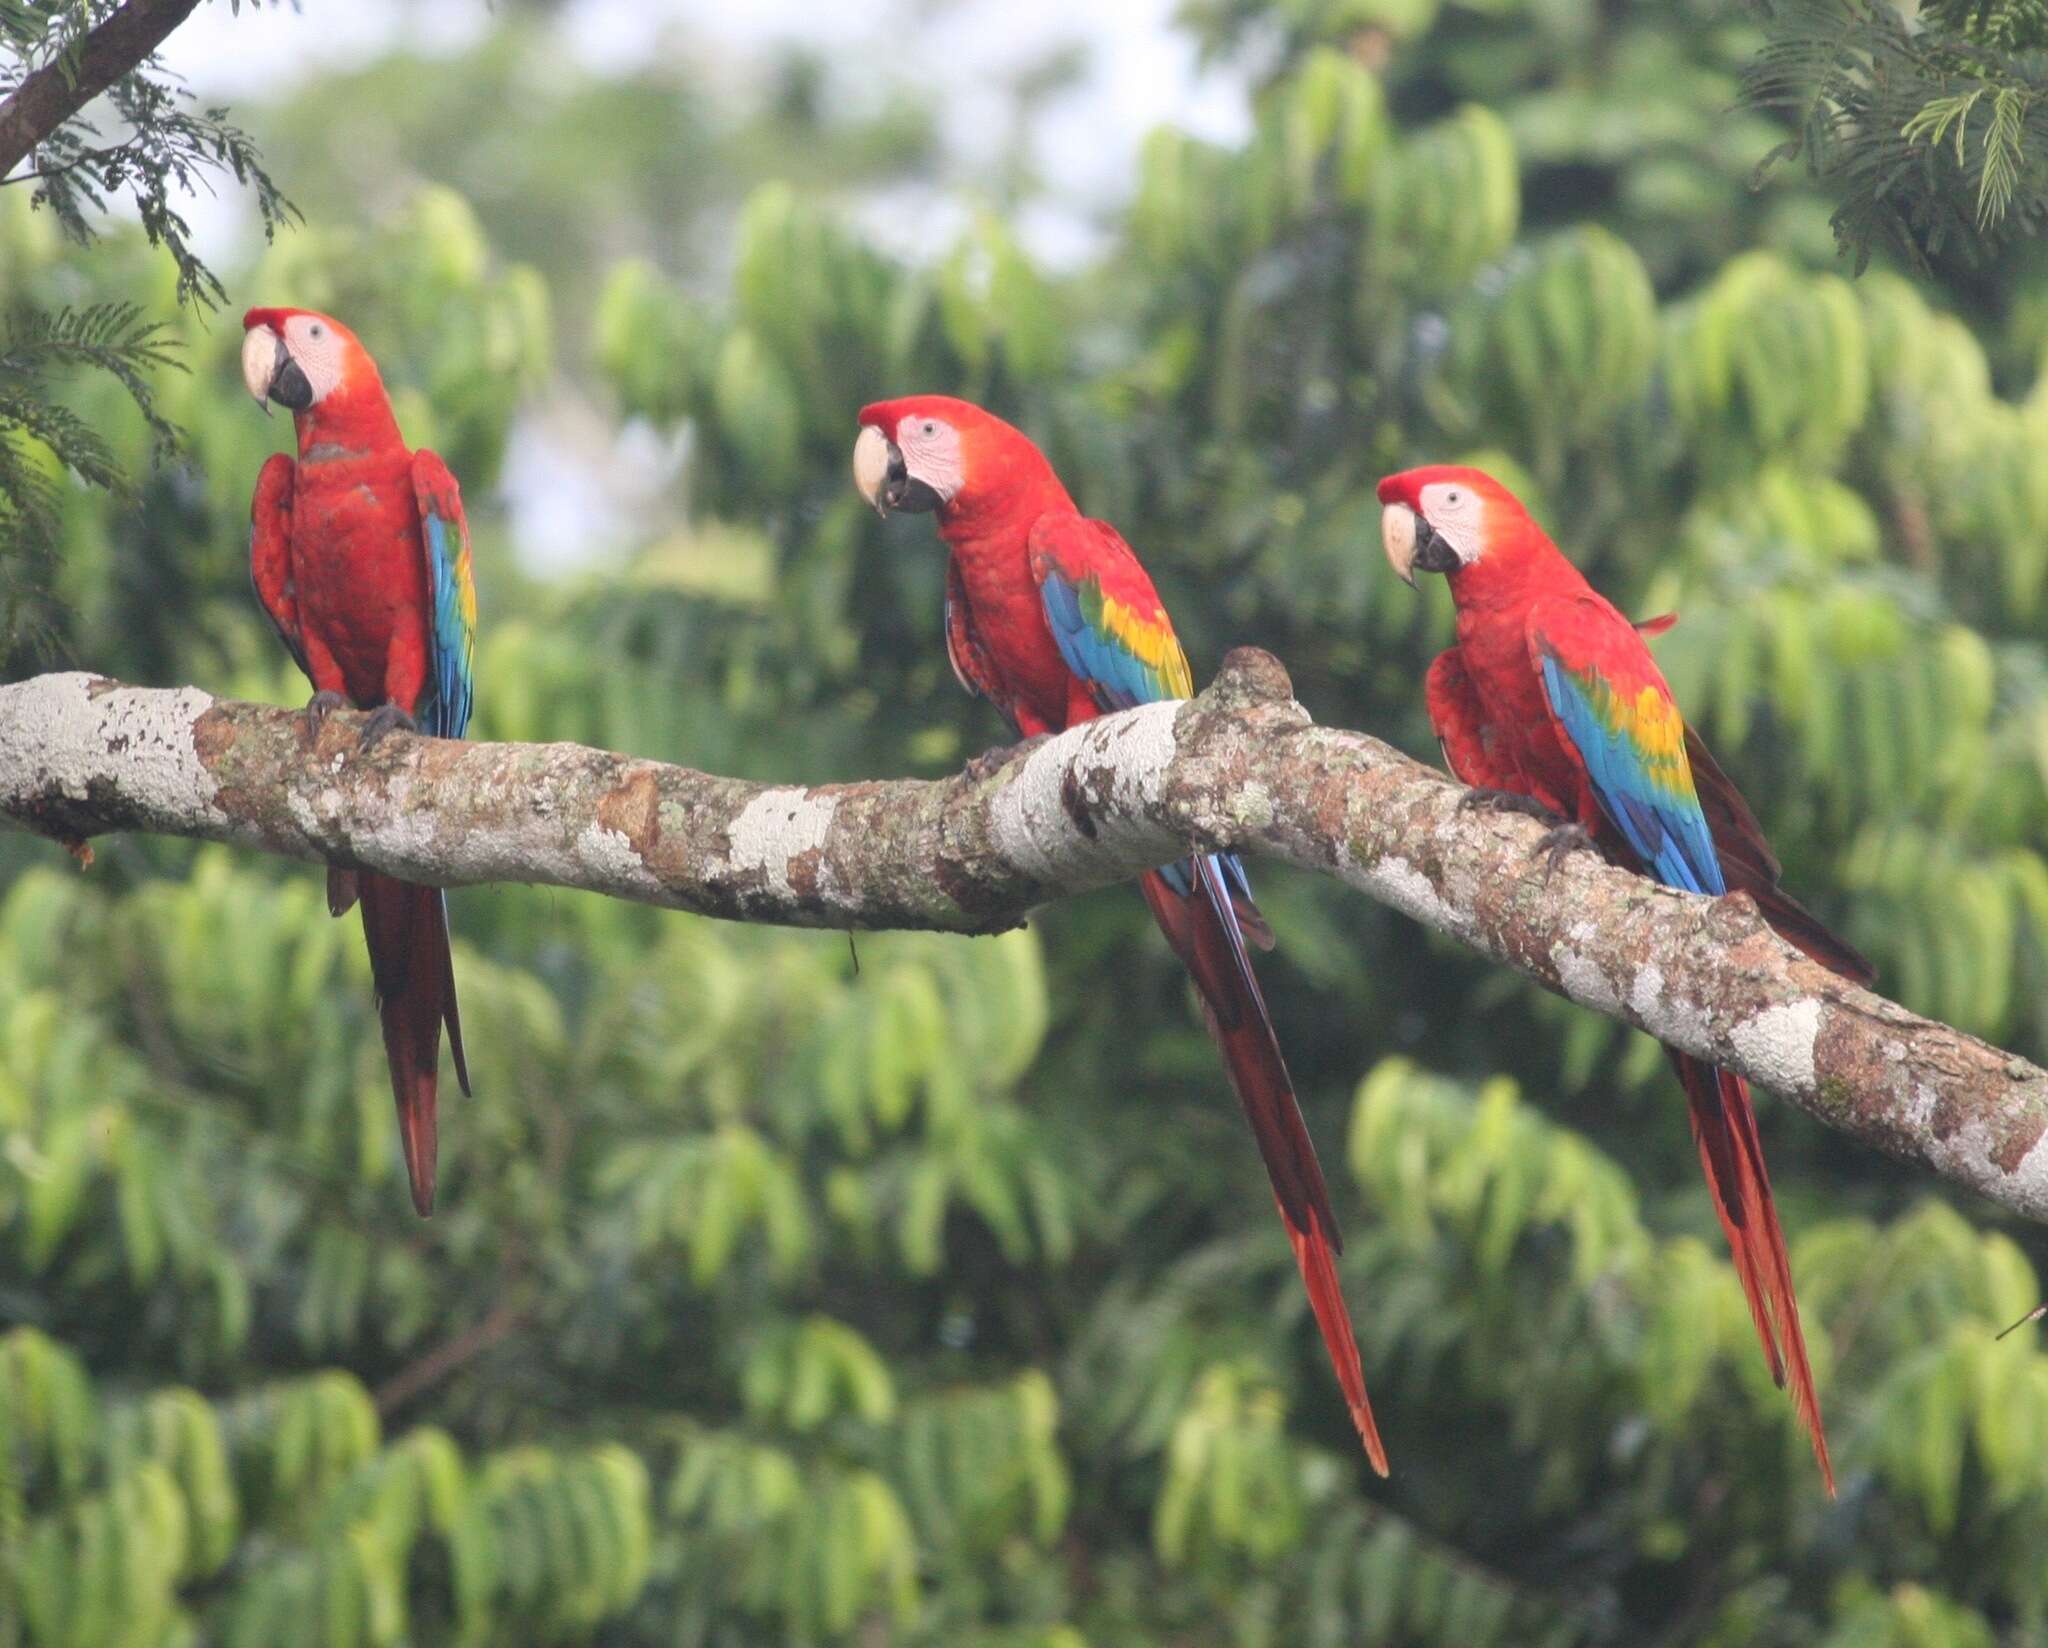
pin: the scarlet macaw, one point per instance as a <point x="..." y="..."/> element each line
<point x="360" y="555"/>
<point x="1050" y="617"/>
<point x="1551" y="703"/>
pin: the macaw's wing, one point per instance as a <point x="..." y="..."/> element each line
<point x="1105" y="616"/>
<point x="1113" y="632"/>
<point x="451" y="597"/>
<point x="1468" y="740"/>
<point x="1612" y="709"/>
<point x="1749" y="866"/>
<point x="270" y="553"/>
<point x="1747" y="863"/>
<point x="973" y="668"/>
<point x="1610" y="706"/>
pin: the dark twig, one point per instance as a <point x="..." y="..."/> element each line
<point x="50" y="95"/>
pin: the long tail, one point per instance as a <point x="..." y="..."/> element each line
<point x="1205" y="933"/>
<point x="1749" y="866"/>
<point x="1724" y="1126"/>
<point x="407" y="930"/>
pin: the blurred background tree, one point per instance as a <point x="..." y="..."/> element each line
<point x="1928" y="123"/>
<point x="939" y="1300"/>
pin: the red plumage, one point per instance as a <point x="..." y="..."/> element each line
<point x="1522" y="605"/>
<point x="1011" y="528"/>
<point x="339" y="563"/>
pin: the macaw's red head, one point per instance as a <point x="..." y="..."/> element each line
<point x="932" y="452"/>
<point x="304" y="361"/>
<point x="1444" y="518"/>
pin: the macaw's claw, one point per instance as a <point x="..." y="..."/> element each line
<point x="990" y="762"/>
<point x="1559" y="844"/>
<point x="318" y="708"/>
<point x="1503" y="801"/>
<point x="382" y="720"/>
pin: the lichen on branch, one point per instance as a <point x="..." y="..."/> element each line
<point x="1240" y="766"/>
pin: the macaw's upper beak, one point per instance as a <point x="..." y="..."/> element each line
<point x="1413" y="545"/>
<point x="270" y="373"/>
<point x="883" y="478"/>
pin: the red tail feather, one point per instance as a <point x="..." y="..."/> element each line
<point x="341" y="890"/>
<point x="406" y="927"/>
<point x="1213" y="952"/>
<point x="1724" y="1124"/>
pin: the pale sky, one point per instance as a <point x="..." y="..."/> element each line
<point x="1140" y="73"/>
<point x="569" y="494"/>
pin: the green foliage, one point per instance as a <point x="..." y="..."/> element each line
<point x="169" y="146"/>
<point x="1767" y="362"/>
<point x="925" y="1290"/>
<point x="43" y="441"/>
<point x="1445" y="205"/>
<point x="152" y="1500"/>
<point x="1930" y="127"/>
<point x="1575" y="320"/>
<point x="167" y="150"/>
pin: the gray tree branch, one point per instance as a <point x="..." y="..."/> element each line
<point x="50" y="95"/>
<point x="1240" y="766"/>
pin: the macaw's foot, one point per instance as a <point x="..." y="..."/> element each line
<point x="381" y="720"/>
<point x="1559" y="844"/>
<point x="318" y="708"/>
<point x="1503" y="801"/>
<point x="990" y="762"/>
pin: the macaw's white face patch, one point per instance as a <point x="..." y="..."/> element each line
<point x="319" y="350"/>
<point x="931" y="454"/>
<point x="1459" y="515"/>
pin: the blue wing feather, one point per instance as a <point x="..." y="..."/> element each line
<point x="1660" y="820"/>
<point x="1119" y="678"/>
<point x="444" y="535"/>
<point x="1095" y="639"/>
<point x="454" y="691"/>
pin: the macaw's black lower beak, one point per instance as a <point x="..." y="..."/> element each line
<point x="902" y="490"/>
<point x="288" y="385"/>
<point x="1433" y="551"/>
<point x="884" y="479"/>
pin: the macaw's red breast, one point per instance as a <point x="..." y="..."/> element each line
<point x="1034" y="687"/>
<point x="361" y="573"/>
<point x="1517" y="569"/>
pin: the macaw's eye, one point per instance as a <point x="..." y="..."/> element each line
<point x="928" y="429"/>
<point x="1451" y="497"/>
<point x="318" y="330"/>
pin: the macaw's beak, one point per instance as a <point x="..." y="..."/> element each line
<point x="1413" y="545"/>
<point x="884" y="480"/>
<point x="270" y="373"/>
